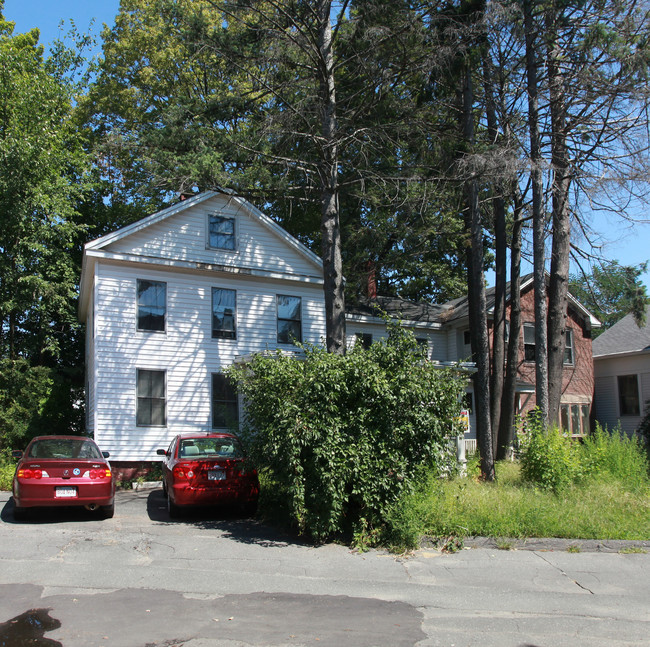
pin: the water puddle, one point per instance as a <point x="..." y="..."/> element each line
<point x="28" y="630"/>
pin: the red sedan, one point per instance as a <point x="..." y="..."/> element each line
<point x="63" y="471"/>
<point x="208" y="469"/>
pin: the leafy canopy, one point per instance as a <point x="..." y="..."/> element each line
<point x="344" y="436"/>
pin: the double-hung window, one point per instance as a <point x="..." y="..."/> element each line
<point x="628" y="395"/>
<point x="569" y="356"/>
<point x="151" y="407"/>
<point x="289" y="319"/>
<point x="529" y="342"/>
<point x="152" y="305"/>
<point x="221" y="232"/>
<point x="225" y="408"/>
<point x="224" y="313"/>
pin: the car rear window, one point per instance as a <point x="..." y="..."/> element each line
<point x="64" y="448"/>
<point x="210" y="447"/>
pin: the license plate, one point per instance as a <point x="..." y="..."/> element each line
<point x="216" y="475"/>
<point x="65" y="492"/>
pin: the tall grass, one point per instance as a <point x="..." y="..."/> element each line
<point x="596" y="490"/>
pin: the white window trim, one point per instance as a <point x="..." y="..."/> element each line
<point x="157" y="370"/>
<point x="235" y="234"/>
<point x="212" y="336"/>
<point x="277" y="319"/>
<point x="573" y="348"/>
<point x="147" y="331"/>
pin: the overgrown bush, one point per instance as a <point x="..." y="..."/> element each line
<point x="552" y="460"/>
<point x="344" y="436"/>
<point x="615" y="455"/>
<point x="548" y="458"/>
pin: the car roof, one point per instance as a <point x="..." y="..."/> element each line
<point x="207" y="434"/>
<point x="61" y="437"/>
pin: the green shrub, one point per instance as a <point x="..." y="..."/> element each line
<point x="615" y="455"/>
<point x="7" y="468"/>
<point x="551" y="460"/>
<point x="548" y="458"/>
<point x="345" y="435"/>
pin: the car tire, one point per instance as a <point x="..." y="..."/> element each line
<point x="20" y="514"/>
<point x="164" y="487"/>
<point x="249" y="509"/>
<point x="172" y="508"/>
<point x="107" y="511"/>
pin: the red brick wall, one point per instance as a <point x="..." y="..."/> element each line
<point x="578" y="380"/>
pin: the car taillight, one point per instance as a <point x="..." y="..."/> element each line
<point x="30" y="474"/>
<point x="184" y="471"/>
<point x="99" y="474"/>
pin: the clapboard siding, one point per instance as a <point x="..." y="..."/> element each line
<point x="183" y="237"/>
<point x="185" y="351"/>
<point x="436" y="339"/>
<point x="606" y="405"/>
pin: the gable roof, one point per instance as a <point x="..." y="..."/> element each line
<point x="188" y="203"/>
<point x="624" y="337"/>
<point x="459" y="308"/>
<point x="118" y="246"/>
<point x="420" y="312"/>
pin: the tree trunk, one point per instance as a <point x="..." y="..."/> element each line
<point x="561" y="247"/>
<point x="506" y="421"/>
<point x="476" y="297"/>
<point x="330" y="229"/>
<point x="539" y="220"/>
<point x="499" y="316"/>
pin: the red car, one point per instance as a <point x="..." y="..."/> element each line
<point x="201" y="469"/>
<point x="63" y="471"/>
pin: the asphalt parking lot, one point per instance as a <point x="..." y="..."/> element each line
<point x="213" y="579"/>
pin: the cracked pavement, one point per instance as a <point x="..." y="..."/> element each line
<point x="214" y="580"/>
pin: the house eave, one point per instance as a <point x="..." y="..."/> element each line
<point x="378" y="321"/>
<point x="626" y="353"/>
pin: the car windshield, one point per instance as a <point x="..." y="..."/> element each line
<point x="64" y="448"/>
<point x="209" y="447"/>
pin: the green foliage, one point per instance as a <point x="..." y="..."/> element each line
<point x="554" y="461"/>
<point x="513" y="507"/>
<point x="42" y="181"/>
<point x="615" y="455"/>
<point x="644" y="426"/>
<point x="548" y="458"/>
<point x="345" y="436"/>
<point x="612" y="291"/>
<point x="35" y="400"/>
<point x="7" y="469"/>
<point x="24" y="392"/>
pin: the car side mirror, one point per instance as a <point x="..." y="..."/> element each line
<point x="161" y="452"/>
<point x="105" y="454"/>
<point x="17" y="453"/>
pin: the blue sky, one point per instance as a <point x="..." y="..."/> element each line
<point x="630" y="245"/>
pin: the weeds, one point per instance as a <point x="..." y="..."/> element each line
<point x="600" y="507"/>
<point x="632" y="550"/>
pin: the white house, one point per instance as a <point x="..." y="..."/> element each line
<point x="171" y="300"/>
<point x="622" y="374"/>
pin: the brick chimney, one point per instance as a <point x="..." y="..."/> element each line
<point x="371" y="284"/>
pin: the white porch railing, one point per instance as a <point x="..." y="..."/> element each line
<point x="470" y="446"/>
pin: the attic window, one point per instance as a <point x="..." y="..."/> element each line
<point x="221" y="232"/>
